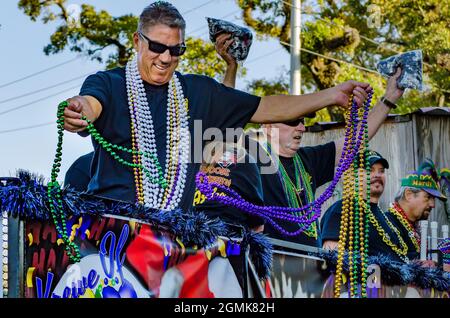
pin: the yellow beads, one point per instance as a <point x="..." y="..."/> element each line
<point x="385" y="237"/>
<point x="347" y="198"/>
<point x="407" y="226"/>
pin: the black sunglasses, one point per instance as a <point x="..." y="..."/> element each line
<point x="295" y="123"/>
<point x="160" y="48"/>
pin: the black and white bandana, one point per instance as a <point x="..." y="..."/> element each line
<point x="242" y="37"/>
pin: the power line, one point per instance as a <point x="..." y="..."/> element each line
<point x="38" y="100"/>
<point x="354" y="65"/>
<point x="198" y="7"/>
<point x="378" y="44"/>
<point x="45" y="88"/>
<point x="27" y="127"/>
<point x="76" y="58"/>
<point x="335" y="59"/>
<point x="224" y="17"/>
<point x="259" y="57"/>
<point x="39" y="72"/>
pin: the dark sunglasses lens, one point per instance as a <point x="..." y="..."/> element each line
<point x="295" y="123"/>
<point x="177" y="50"/>
<point x="161" y="48"/>
<point x="157" y="47"/>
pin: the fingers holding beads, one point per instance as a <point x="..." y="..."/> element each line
<point x="78" y="110"/>
<point x="73" y="115"/>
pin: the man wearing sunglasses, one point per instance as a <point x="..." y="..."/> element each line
<point x="290" y="173"/>
<point x="300" y="170"/>
<point x="129" y="108"/>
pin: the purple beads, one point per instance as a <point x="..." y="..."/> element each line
<point x="311" y="211"/>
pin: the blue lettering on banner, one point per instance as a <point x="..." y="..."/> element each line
<point x="114" y="252"/>
<point x="79" y="287"/>
<point x="86" y="282"/>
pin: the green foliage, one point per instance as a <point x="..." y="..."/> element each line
<point x="344" y="29"/>
<point x="97" y="32"/>
<point x="263" y="87"/>
<point x="202" y="58"/>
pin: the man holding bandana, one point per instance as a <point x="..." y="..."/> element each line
<point x="149" y="107"/>
<point x="290" y="173"/>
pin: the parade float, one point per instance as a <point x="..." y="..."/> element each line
<point x="67" y="244"/>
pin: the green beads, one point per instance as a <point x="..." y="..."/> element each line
<point x="54" y="193"/>
<point x="108" y="147"/>
<point x="54" y="196"/>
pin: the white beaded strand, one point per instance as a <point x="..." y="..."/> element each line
<point x="177" y="139"/>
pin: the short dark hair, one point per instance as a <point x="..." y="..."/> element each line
<point x="161" y="12"/>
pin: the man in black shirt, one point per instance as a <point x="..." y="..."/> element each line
<point x="414" y="202"/>
<point x="290" y="174"/>
<point x="331" y="220"/>
<point x="300" y="170"/>
<point x="128" y="108"/>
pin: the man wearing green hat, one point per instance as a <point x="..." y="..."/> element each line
<point x="414" y="202"/>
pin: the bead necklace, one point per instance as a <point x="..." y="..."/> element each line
<point x="400" y="214"/>
<point x="362" y="208"/>
<point x="400" y="251"/>
<point x="354" y="221"/>
<point x="348" y="185"/>
<point x="55" y="199"/>
<point x="293" y="191"/>
<point x="54" y="189"/>
<point x="311" y="211"/>
<point x="177" y="141"/>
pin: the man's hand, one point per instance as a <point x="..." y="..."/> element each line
<point x="341" y="93"/>
<point x="223" y="42"/>
<point x="80" y="106"/>
<point x="393" y="93"/>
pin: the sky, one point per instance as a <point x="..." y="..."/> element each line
<point x="21" y="54"/>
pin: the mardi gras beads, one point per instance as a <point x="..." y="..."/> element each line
<point x="354" y="224"/>
<point x="310" y="211"/>
<point x="54" y="193"/>
<point x="348" y="184"/>
<point x="364" y="246"/>
<point x="396" y="210"/>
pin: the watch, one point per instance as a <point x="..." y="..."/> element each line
<point x="388" y="103"/>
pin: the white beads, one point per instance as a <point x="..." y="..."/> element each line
<point x="177" y="139"/>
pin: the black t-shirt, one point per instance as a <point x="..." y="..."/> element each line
<point x="412" y="253"/>
<point x="242" y="177"/>
<point x="78" y="175"/>
<point x="210" y="103"/>
<point x="319" y="165"/>
<point x="331" y="222"/>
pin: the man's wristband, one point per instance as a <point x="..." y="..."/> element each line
<point x="388" y="103"/>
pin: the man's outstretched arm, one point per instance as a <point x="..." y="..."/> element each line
<point x="282" y="108"/>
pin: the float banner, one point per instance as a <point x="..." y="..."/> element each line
<point x="125" y="258"/>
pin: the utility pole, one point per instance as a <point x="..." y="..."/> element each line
<point x="296" y="22"/>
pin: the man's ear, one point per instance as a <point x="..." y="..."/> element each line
<point x="136" y="41"/>
<point x="409" y="194"/>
